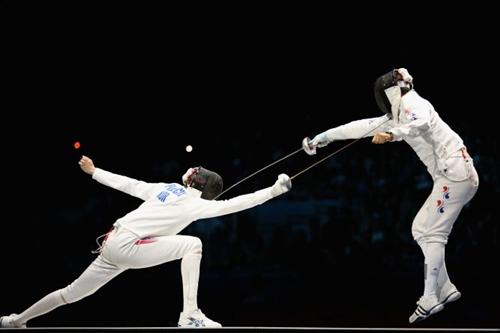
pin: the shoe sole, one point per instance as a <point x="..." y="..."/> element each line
<point x="192" y="326"/>
<point x="454" y="296"/>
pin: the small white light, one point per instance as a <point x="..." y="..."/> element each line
<point x="189" y="148"/>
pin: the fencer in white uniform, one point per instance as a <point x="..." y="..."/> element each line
<point x="411" y="118"/>
<point x="148" y="236"/>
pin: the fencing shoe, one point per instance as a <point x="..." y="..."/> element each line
<point x="7" y="322"/>
<point x="426" y="306"/>
<point x="196" y="319"/>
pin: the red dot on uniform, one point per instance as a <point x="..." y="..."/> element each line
<point x="76" y="145"/>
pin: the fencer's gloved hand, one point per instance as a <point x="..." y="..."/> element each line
<point x="282" y="185"/>
<point x="319" y="141"/>
<point x="404" y="75"/>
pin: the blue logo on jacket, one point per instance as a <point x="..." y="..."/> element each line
<point x="169" y="189"/>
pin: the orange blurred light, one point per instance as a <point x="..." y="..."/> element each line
<point x="76" y="145"/>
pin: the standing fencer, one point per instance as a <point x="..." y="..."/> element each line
<point x="148" y="236"/>
<point x="411" y="118"/>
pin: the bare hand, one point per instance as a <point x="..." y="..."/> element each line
<point x="381" y="137"/>
<point x="87" y="165"/>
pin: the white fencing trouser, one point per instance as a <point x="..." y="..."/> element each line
<point x="123" y="250"/>
<point x="434" y="221"/>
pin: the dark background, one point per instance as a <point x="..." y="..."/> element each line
<point x="136" y="82"/>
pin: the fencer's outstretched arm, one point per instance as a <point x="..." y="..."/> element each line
<point x="356" y="129"/>
<point x="352" y="130"/>
<point x="212" y="208"/>
<point x="128" y="185"/>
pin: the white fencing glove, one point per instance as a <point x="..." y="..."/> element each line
<point x="319" y="141"/>
<point x="282" y="185"/>
<point x="404" y="78"/>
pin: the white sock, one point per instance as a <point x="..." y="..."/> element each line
<point x="443" y="278"/>
<point x="434" y="260"/>
<point x="190" y="270"/>
<point x="46" y="304"/>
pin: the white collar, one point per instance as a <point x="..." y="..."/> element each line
<point x="193" y="191"/>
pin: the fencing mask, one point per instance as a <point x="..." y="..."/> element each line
<point x="208" y="182"/>
<point x="390" y="87"/>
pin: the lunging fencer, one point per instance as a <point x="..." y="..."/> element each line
<point x="148" y="236"/>
<point x="411" y="118"/>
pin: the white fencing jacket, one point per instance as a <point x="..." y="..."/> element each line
<point x="417" y="123"/>
<point x="169" y="208"/>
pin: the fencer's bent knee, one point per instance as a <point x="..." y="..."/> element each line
<point x="197" y="245"/>
<point x="435" y="238"/>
